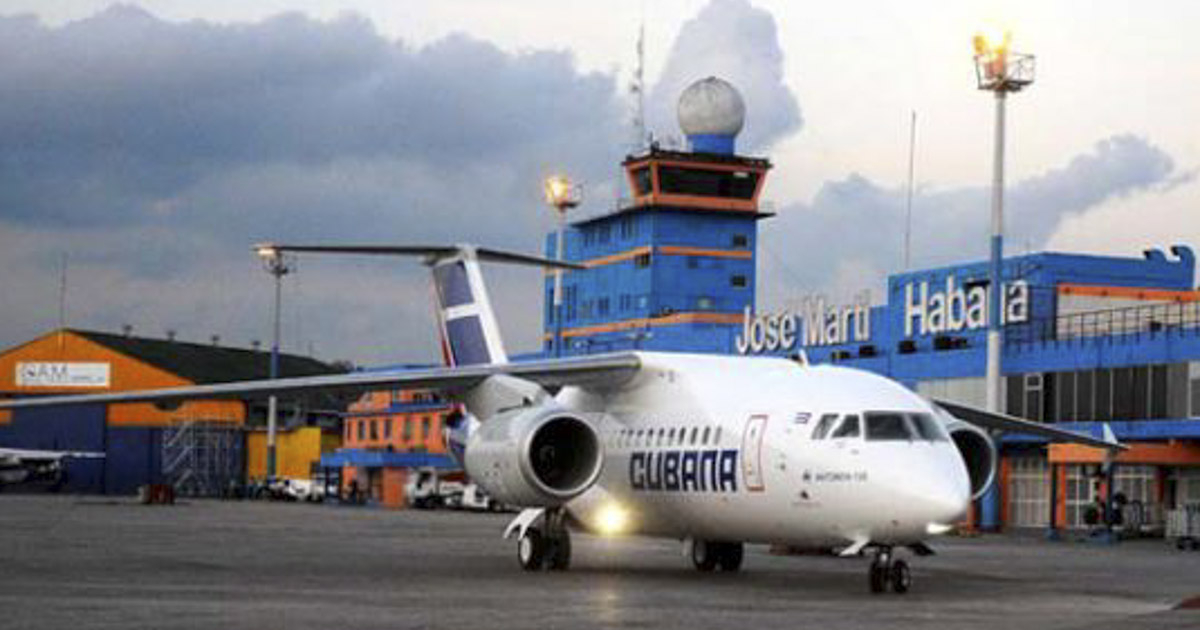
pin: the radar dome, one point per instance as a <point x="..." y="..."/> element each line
<point x="711" y="109"/>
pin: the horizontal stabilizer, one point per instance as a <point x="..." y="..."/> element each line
<point x="29" y="455"/>
<point x="431" y="252"/>
<point x="1012" y="424"/>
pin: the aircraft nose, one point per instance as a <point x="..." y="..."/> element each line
<point x="946" y="495"/>
<point x="941" y="491"/>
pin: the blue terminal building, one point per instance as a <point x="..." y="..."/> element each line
<point x="1087" y="339"/>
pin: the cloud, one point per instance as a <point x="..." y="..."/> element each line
<point x="1147" y="219"/>
<point x="155" y="153"/>
<point x="737" y="42"/>
<point x="854" y="228"/>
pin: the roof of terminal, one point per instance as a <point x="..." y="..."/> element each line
<point x="205" y="363"/>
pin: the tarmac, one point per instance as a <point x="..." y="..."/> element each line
<point x="94" y="562"/>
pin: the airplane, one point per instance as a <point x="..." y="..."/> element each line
<point x="18" y="466"/>
<point x="716" y="451"/>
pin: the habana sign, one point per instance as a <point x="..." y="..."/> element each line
<point x="927" y="311"/>
<point x="958" y="308"/>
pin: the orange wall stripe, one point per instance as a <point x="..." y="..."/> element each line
<point x="664" y="250"/>
<point x="674" y="250"/>
<point x="618" y="257"/>
<point x="1129" y="293"/>
<point x="1177" y="454"/>
<point x="677" y="318"/>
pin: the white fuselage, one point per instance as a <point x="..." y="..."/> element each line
<point x="722" y="448"/>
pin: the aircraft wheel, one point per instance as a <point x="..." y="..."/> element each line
<point x="704" y="555"/>
<point x="730" y="556"/>
<point x="878" y="577"/>
<point x="531" y="550"/>
<point x="560" y="552"/>
<point x="900" y="576"/>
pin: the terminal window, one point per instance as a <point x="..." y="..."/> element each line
<point x="707" y="183"/>
<point x="627" y="227"/>
<point x="741" y="240"/>
<point x="641" y="261"/>
<point x="641" y="180"/>
<point x="738" y="281"/>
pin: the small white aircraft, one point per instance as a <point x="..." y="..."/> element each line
<point x="716" y="451"/>
<point x="19" y="466"/>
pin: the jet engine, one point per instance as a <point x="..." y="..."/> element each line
<point x="534" y="456"/>
<point x="978" y="452"/>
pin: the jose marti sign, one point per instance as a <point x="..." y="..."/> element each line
<point x="927" y="311"/>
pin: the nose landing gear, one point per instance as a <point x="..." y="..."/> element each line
<point x="885" y="571"/>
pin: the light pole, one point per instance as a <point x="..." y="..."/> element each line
<point x="561" y="196"/>
<point x="278" y="266"/>
<point x="998" y="70"/>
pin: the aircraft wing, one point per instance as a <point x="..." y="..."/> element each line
<point x="30" y="455"/>
<point x="593" y="370"/>
<point x="1012" y="424"/>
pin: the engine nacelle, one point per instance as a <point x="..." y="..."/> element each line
<point x="534" y="456"/>
<point x="979" y="454"/>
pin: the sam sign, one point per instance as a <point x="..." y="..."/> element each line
<point x="56" y="374"/>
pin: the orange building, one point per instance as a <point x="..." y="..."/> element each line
<point x="137" y="438"/>
<point x="387" y="434"/>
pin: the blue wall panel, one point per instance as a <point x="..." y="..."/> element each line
<point x="134" y="458"/>
<point x="75" y="428"/>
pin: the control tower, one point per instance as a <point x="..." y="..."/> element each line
<point x="673" y="268"/>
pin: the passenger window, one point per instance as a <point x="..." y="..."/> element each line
<point x="887" y="427"/>
<point x="848" y="428"/>
<point x="694" y="432"/>
<point x="671" y="437"/>
<point x="704" y="438"/>
<point x="717" y="437"/>
<point x="824" y="425"/>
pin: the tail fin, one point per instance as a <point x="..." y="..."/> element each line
<point x="470" y="334"/>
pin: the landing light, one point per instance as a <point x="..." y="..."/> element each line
<point x="937" y="529"/>
<point x="612" y="519"/>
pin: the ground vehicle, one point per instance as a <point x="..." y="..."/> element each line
<point x="473" y="497"/>
<point x="427" y="489"/>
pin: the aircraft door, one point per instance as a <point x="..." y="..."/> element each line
<point x="752" y="441"/>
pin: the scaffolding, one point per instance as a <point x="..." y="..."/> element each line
<point x="202" y="457"/>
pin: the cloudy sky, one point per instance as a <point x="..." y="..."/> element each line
<point x="152" y="143"/>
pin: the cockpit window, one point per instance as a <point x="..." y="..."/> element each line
<point x="824" y="425"/>
<point x="928" y="428"/>
<point x="848" y="428"/>
<point x="897" y="425"/>
<point x="887" y="426"/>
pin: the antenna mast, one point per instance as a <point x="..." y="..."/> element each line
<point x="638" y="89"/>
<point x="912" y="145"/>
<point x="62" y="292"/>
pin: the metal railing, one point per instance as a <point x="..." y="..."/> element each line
<point x="1152" y="320"/>
<point x="200" y="457"/>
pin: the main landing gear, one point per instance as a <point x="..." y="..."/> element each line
<point x="888" y="571"/>
<point x="549" y="549"/>
<point x="707" y="555"/>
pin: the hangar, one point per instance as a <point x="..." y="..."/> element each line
<point x="199" y="446"/>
